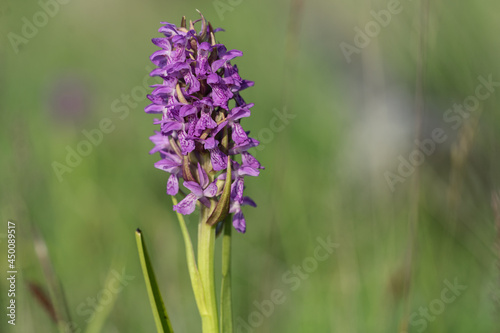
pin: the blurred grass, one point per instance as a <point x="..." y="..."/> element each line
<point x="324" y="171"/>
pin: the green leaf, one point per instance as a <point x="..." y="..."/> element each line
<point x="226" y="314"/>
<point x="159" y="312"/>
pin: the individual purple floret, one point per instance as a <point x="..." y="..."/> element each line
<point x="199" y="192"/>
<point x="200" y="127"/>
<point x="239" y="222"/>
<point x="173" y="164"/>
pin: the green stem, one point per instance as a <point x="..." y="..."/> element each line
<point x="226" y="314"/>
<point x="206" y="246"/>
<point x="191" y="263"/>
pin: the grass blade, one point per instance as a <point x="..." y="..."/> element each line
<point x="43" y="299"/>
<point x="56" y="292"/>
<point x="99" y="318"/>
<point x="159" y="312"/>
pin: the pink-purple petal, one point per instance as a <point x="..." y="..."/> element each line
<point x="187" y="205"/>
<point x="172" y="185"/>
<point x="248" y="171"/>
<point x="187" y="110"/>
<point x="205" y="122"/>
<point x="218" y="159"/>
<point x="211" y="190"/>
<point x="237" y="189"/>
<point x="194" y="187"/>
<point x="167" y="165"/>
<point x="248" y="201"/>
<point x="192" y="81"/>
<point x="154" y="108"/>
<point x="239" y="135"/>
<point x="239" y="222"/>
<point x="202" y="176"/>
<point x="163" y="43"/>
<point x="187" y="144"/>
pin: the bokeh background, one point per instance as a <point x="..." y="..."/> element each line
<point x="351" y="121"/>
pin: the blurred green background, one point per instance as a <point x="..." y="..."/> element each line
<point x="325" y="171"/>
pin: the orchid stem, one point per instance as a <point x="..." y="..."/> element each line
<point x="226" y="313"/>
<point x="206" y="245"/>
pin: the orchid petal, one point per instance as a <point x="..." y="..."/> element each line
<point x="211" y="190"/>
<point x="239" y="222"/>
<point x="202" y="175"/>
<point x="172" y="185"/>
<point x="194" y="187"/>
<point x="187" y="205"/>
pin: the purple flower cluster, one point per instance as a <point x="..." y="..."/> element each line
<point x="201" y="134"/>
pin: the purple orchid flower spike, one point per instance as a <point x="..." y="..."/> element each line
<point x="203" y="143"/>
<point x="198" y="126"/>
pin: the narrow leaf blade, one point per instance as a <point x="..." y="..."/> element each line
<point x="159" y="312"/>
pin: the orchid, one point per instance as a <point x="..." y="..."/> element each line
<point x="202" y="142"/>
